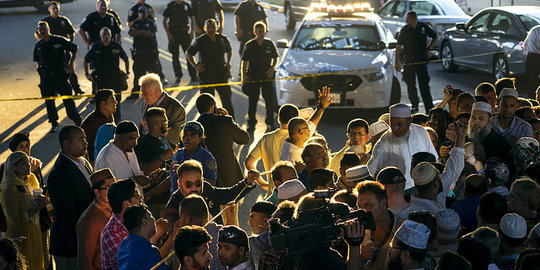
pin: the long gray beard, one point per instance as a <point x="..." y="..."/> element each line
<point x="478" y="136"/>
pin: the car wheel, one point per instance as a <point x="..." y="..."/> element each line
<point x="500" y="67"/>
<point x="395" y="95"/>
<point x="447" y="58"/>
<point x="42" y="5"/>
<point x="290" y="23"/>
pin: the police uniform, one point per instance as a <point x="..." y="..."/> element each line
<point x="211" y="54"/>
<point x="205" y="9"/>
<point x="50" y="55"/>
<point x="260" y="60"/>
<point x="93" y="23"/>
<point x="414" y="42"/>
<point x="61" y="26"/>
<point x="179" y="15"/>
<point x="202" y="155"/>
<point x="133" y="13"/>
<point x="249" y="15"/>
<point x="105" y="61"/>
<point x="145" y="51"/>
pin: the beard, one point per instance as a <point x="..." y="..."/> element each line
<point x="478" y="136"/>
<point x="395" y="264"/>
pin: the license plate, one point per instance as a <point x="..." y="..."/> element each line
<point x="336" y="97"/>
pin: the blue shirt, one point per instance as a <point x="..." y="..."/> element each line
<point x="273" y="198"/>
<point x="466" y="209"/>
<point x="136" y="252"/>
<point x="203" y="156"/>
<point x="303" y="177"/>
<point x="517" y="128"/>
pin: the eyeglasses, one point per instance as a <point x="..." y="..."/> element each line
<point x="467" y="157"/>
<point x="188" y="184"/>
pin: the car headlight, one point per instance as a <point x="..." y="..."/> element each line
<point x="380" y="74"/>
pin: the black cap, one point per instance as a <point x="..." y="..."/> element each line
<point x="390" y="175"/>
<point x="234" y="235"/>
<point x="18" y="139"/>
<point x="126" y="126"/>
<point x="264" y="207"/>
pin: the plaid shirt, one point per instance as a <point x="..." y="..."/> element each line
<point x="111" y="237"/>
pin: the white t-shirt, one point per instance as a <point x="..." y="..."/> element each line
<point x="113" y="158"/>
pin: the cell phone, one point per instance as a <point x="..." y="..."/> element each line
<point x="448" y="143"/>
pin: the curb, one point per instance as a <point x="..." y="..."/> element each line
<point x="271" y="6"/>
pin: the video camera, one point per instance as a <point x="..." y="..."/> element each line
<point x="525" y="152"/>
<point x="315" y="228"/>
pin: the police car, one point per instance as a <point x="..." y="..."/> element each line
<point x="347" y="48"/>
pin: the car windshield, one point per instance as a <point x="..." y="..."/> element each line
<point x="529" y="20"/>
<point x="450" y="8"/>
<point x="337" y="37"/>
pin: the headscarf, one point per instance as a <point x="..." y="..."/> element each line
<point x="10" y="177"/>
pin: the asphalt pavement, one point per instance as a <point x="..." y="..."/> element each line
<point x="18" y="79"/>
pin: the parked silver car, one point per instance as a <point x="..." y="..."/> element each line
<point x="490" y="41"/>
<point x="441" y="14"/>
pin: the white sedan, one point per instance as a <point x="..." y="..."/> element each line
<point x="352" y="54"/>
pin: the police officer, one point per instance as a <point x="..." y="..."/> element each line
<point x="411" y="44"/>
<point x="207" y="9"/>
<point x="104" y="57"/>
<point x="259" y="60"/>
<point x="49" y="53"/>
<point x="61" y="26"/>
<point x="145" y="51"/>
<point x="176" y="19"/>
<point x="133" y="15"/>
<point x="92" y="24"/>
<point x="246" y="15"/>
<point x="212" y="67"/>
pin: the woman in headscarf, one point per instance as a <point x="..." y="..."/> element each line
<point x="22" y="207"/>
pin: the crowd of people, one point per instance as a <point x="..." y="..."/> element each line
<point x="455" y="188"/>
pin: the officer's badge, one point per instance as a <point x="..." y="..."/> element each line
<point x="211" y="165"/>
<point x="210" y="203"/>
<point x="57" y="46"/>
<point x="63" y="23"/>
<point x="116" y="51"/>
<point x="423" y="30"/>
<point x="130" y="13"/>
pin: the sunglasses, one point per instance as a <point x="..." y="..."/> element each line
<point x="197" y="183"/>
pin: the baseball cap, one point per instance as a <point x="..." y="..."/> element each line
<point x="194" y="127"/>
<point x="234" y="235"/>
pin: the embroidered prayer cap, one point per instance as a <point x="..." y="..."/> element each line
<point x="481" y="106"/>
<point x="390" y="175"/>
<point x="448" y="222"/>
<point x="377" y="127"/>
<point x="509" y="92"/>
<point x="400" y="110"/>
<point x="357" y="173"/>
<point x="513" y="226"/>
<point x="290" y="189"/>
<point x="413" y="234"/>
<point x="423" y="173"/>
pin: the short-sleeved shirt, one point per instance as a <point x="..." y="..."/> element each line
<point x="178" y="15"/>
<point x="145" y="43"/>
<point x="259" y="57"/>
<point x="151" y="148"/>
<point x="249" y="15"/>
<point x="414" y="41"/>
<point x="105" y="59"/>
<point x="136" y="252"/>
<point x="211" y="54"/>
<point x="51" y="54"/>
<point x="205" y="9"/>
<point x="93" y="23"/>
<point x="202" y="155"/>
<point x="133" y="12"/>
<point x="61" y="26"/>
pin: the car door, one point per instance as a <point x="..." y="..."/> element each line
<point x="464" y="41"/>
<point x="393" y="15"/>
<point x="491" y="41"/>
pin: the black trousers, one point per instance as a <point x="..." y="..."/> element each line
<point x="144" y="61"/>
<point x="181" y="39"/>
<point x="253" y="91"/>
<point x="410" y="73"/>
<point x="224" y="93"/>
<point x="532" y="71"/>
<point x="50" y="86"/>
<point x="73" y="80"/>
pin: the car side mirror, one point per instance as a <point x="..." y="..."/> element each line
<point x="282" y="43"/>
<point x="392" y="45"/>
<point x="381" y="45"/>
<point x="460" y="26"/>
